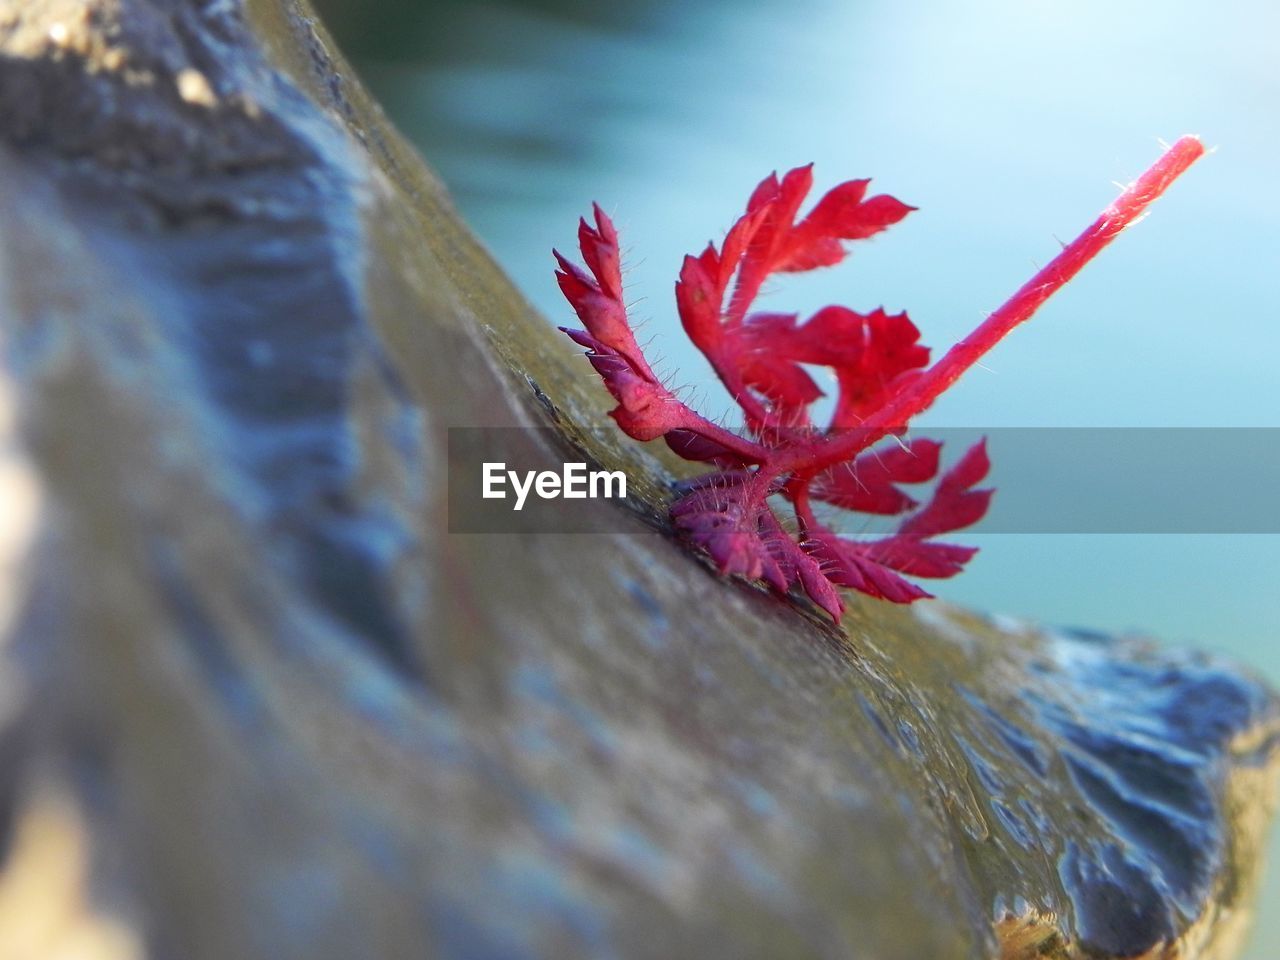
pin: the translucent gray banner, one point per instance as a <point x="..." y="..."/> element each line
<point x="1047" y="480"/>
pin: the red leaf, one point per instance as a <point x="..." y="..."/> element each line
<point x="698" y="300"/>
<point x="797" y="567"/>
<point x="891" y="350"/>
<point x="955" y="504"/>
<point x="600" y="251"/>
<point x="759" y="348"/>
<point x="689" y="445"/>
<point x="869" y="483"/>
<point x="840" y="215"/>
<point x="646" y="409"/>
<point x="920" y="558"/>
<point x="877" y="360"/>
<point x="742" y="536"/>
<point x="721" y="519"/>
<point x="846" y="563"/>
<point x="762" y="360"/>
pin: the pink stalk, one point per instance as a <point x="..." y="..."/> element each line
<point x="920" y="394"/>
<point x="748" y="450"/>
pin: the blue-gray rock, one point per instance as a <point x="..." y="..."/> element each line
<point x="281" y="712"/>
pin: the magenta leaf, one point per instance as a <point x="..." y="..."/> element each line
<point x="882" y="374"/>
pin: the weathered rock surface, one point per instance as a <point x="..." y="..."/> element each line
<point x="257" y="702"/>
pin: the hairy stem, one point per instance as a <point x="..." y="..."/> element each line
<point x="748" y="450"/>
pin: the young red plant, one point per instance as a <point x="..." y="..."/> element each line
<point x="882" y="371"/>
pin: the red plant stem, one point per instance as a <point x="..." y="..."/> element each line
<point x="804" y="509"/>
<point x="748" y="450"/>
<point x="920" y="394"/>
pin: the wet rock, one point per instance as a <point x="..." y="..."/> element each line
<point x="259" y="702"/>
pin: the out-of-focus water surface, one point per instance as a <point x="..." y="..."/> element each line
<point x="1006" y="123"/>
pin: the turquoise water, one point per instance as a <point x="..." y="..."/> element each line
<point x="1006" y="123"/>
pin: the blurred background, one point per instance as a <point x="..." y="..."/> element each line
<point x="1008" y="123"/>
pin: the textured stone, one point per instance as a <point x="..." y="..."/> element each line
<point x="255" y="684"/>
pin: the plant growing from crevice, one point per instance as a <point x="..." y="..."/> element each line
<point x="883" y="378"/>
